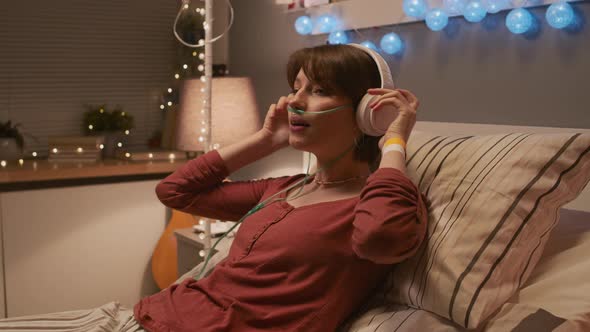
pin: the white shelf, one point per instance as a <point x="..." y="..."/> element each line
<point x="360" y="14"/>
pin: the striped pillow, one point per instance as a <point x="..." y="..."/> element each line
<point x="493" y="201"/>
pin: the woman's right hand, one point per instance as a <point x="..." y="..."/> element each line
<point x="276" y="124"/>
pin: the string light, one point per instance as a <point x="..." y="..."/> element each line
<point x="474" y="11"/>
<point x="391" y="43"/>
<point x="303" y="25"/>
<point x="169" y="90"/>
<point x="338" y="37"/>
<point x="519" y="20"/>
<point x="559" y="15"/>
<point x="436" y="19"/>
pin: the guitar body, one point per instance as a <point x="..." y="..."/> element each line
<point x="164" y="259"/>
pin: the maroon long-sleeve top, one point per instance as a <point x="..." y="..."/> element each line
<point x="288" y="269"/>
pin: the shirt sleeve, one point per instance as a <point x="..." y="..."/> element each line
<point x="198" y="188"/>
<point x="390" y="218"/>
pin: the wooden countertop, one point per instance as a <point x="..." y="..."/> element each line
<point x="41" y="173"/>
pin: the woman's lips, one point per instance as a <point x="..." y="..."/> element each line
<point x="297" y="129"/>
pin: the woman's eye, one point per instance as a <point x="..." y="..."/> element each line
<point x="319" y="91"/>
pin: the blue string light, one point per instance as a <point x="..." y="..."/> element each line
<point x="326" y="23"/>
<point x="370" y="45"/>
<point x="494" y="6"/>
<point x="436" y="19"/>
<point x="415" y="8"/>
<point x="303" y="25"/>
<point x="559" y="15"/>
<point x="519" y="21"/>
<point x="391" y="43"/>
<point x="474" y="11"/>
<point x="454" y="7"/>
<point x="338" y="37"/>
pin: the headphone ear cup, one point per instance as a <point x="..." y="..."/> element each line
<point x="363" y="113"/>
<point x="374" y="123"/>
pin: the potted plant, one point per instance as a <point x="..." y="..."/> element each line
<point x="11" y="141"/>
<point x="111" y="124"/>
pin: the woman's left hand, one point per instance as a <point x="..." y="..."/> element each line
<point x="406" y="103"/>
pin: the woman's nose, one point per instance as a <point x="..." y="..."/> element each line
<point x="295" y="100"/>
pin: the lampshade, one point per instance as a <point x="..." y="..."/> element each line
<point x="234" y="113"/>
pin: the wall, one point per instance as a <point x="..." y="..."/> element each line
<point x="471" y="73"/>
<point x="58" y="55"/>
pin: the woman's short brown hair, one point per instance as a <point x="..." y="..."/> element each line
<point x="341" y="70"/>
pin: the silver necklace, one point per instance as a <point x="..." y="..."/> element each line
<point x="321" y="182"/>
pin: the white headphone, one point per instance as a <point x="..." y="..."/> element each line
<point x="376" y="123"/>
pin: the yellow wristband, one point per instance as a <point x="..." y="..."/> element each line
<point x="395" y="140"/>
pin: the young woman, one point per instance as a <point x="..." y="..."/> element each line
<point x="306" y="262"/>
<point x="312" y="253"/>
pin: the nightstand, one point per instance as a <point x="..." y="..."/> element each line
<point x="188" y="246"/>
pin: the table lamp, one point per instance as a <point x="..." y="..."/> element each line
<point x="234" y="113"/>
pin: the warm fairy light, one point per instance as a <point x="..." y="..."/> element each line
<point x="21" y="162"/>
<point x="54" y="150"/>
<point x="3" y="163"/>
<point x="34" y="154"/>
<point x="169" y="90"/>
<point x="202" y="56"/>
<point x="119" y="144"/>
<point x="185" y="66"/>
<point x="80" y="150"/>
<point x="127" y="154"/>
<point x="90" y="127"/>
<point x="169" y="103"/>
<point x="162" y="106"/>
<point x="176" y="76"/>
<point x="151" y="155"/>
<point x="126" y="132"/>
<point x="172" y="156"/>
<point x="101" y="146"/>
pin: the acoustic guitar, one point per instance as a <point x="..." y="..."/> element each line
<point x="164" y="259"/>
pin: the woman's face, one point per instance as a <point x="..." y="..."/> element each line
<point x="325" y="134"/>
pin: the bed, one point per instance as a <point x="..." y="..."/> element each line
<point x="507" y="248"/>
